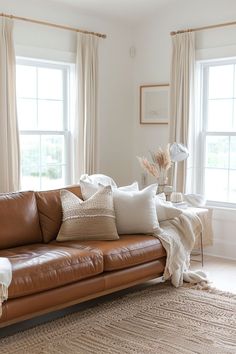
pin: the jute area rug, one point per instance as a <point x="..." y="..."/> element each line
<point x="158" y="319"/>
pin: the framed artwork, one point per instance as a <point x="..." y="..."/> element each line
<point x="154" y="104"/>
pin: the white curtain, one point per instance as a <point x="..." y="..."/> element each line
<point x="86" y="105"/>
<point x="9" y="137"/>
<point x="181" y="99"/>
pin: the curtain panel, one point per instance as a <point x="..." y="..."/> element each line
<point x="9" y="135"/>
<point x="181" y="101"/>
<point x="86" y="105"/>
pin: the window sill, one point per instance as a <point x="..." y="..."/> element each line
<point x="221" y="205"/>
<point x="222" y="211"/>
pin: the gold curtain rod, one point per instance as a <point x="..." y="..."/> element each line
<point x="204" y="28"/>
<point x="53" y="25"/>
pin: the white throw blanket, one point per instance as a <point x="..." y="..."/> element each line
<point x="5" y="280"/>
<point x="178" y="238"/>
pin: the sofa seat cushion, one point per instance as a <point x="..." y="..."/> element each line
<point x="128" y="251"/>
<point x="41" y="267"/>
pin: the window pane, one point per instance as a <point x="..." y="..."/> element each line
<point x="50" y="115"/>
<point x="220" y="114"/>
<point x="217" y="151"/>
<point x="52" y="177"/>
<point x="233" y="152"/>
<point x="235" y="80"/>
<point x="41" y="102"/>
<point x="31" y="182"/>
<point x="26" y="82"/>
<point x="50" y="83"/>
<point x="52" y="149"/>
<point x="232" y="187"/>
<point x="216" y="184"/>
<point x="234" y="115"/>
<point x="30" y="161"/>
<point x="27" y="114"/>
<point x="221" y="81"/>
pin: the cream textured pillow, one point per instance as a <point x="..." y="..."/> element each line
<point x="93" y="219"/>
<point x="165" y="210"/>
<point x="135" y="210"/>
<point x="88" y="189"/>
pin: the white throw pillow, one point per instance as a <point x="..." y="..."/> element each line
<point x="98" y="178"/>
<point x="165" y="210"/>
<point x="88" y="189"/>
<point x="135" y="210"/>
<point x="130" y="188"/>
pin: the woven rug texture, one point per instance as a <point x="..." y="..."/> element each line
<point x="157" y="319"/>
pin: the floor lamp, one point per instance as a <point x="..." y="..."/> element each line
<point x="178" y="152"/>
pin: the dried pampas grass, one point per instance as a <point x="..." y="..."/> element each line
<point x="148" y="166"/>
<point x="161" y="162"/>
<point x="162" y="158"/>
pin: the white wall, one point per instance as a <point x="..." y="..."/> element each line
<point x="224" y="226"/>
<point x="152" y="65"/>
<point x="115" y="150"/>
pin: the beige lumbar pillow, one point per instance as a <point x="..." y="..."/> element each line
<point x="165" y="210"/>
<point x="93" y="219"/>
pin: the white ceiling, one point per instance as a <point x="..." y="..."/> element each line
<point x="130" y="11"/>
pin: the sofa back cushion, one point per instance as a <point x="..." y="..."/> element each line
<point x="19" y="220"/>
<point x="50" y="211"/>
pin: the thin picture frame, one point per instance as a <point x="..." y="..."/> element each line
<point x="154" y="104"/>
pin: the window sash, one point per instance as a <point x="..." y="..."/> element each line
<point x="65" y="68"/>
<point x="204" y="133"/>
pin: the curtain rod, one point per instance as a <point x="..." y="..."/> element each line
<point x="53" y="25"/>
<point x="204" y="28"/>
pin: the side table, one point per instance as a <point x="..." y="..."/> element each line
<point x="167" y="190"/>
<point x="205" y="238"/>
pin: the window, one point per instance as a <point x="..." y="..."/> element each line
<point x="218" y="159"/>
<point x="42" y="104"/>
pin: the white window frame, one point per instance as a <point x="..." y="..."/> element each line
<point x="201" y="158"/>
<point x="66" y="132"/>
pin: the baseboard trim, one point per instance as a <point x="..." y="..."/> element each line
<point x="222" y="250"/>
<point x="217" y="256"/>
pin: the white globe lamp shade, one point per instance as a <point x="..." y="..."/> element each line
<point x="178" y="152"/>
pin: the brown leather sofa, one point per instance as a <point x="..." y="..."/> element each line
<point x="48" y="275"/>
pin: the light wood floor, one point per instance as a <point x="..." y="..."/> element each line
<point x="221" y="272"/>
